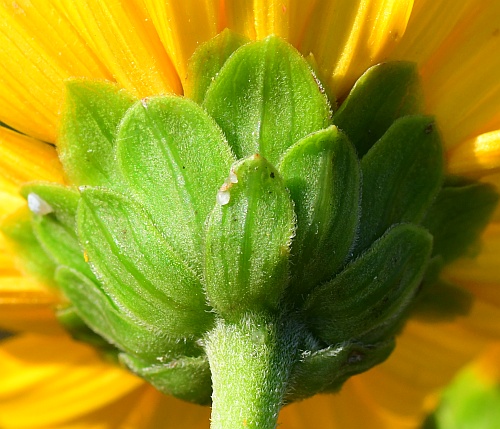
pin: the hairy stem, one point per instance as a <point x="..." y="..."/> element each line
<point x="250" y="360"/>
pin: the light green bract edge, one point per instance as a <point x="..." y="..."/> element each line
<point x="246" y="245"/>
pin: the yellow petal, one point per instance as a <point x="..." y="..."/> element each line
<point x="239" y="16"/>
<point x="351" y="408"/>
<point x="144" y="408"/>
<point x="22" y="290"/>
<point x="124" y="37"/>
<point x="7" y="264"/>
<point x="49" y="380"/>
<point x="430" y="24"/>
<point x="273" y="17"/>
<point x="260" y="18"/>
<point x="25" y="317"/>
<point x="10" y="201"/>
<point x="456" y="45"/>
<point x="64" y="367"/>
<point x="24" y="159"/>
<point x="488" y="365"/>
<point x="353" y="36"/>
<point x="25" y="304"/>
<point x="39" y="50"/>
<point x="426" y="358"/>
<point x="183" y="25"/>
<point x="113" y="415"/>
<point x="160" y="411"/>
<point x="477" y="156"/>
<point x="480" y="275"/>
<point x="484" y="319"/>
<point x="295" y="25"/>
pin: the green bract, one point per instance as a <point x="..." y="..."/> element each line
<point x="265" y="98"/>
<point x="250" y="237"/>
<point x="322" y="174"/>
<point x="247" y="241"/>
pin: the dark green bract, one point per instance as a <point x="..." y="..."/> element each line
<point x="254" y="213"/>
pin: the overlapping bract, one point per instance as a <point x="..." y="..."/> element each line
<point x="301" y="211"/>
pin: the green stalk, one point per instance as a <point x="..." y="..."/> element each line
<point x="250" y="360"/>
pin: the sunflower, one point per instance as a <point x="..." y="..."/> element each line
<point x="49" y="380"/>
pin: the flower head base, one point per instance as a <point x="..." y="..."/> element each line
<point x="329" y="229"/>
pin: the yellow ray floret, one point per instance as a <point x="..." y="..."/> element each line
<point x="63" y="380"/>
<point x="340" y="411"/>
<point x="26" y="305"/>
<point x="487" y="366"/>
<point x="53" y="382"/>
<point x="40" y="49"/>
<point x="126" y="40"/>
<point x="480" y="275"/>
<point x="239" y="16"/>
<point x="477" y="156"/>
<point x="97" y="392"/>
<point x="456" y="45"/>
<point x="257" y="19"/>
<point x="183" y="25"/>
<point x="430" y="24"/>
<point x="425" y="359"/>
<point x="484" y="318"/>
<point x="24" y="159"/>
<point x="347" y="46"/>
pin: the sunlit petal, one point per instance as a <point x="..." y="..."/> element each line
<point x="346" y="46"/>
<point x="143" y="408"/>
<point x="487" y="366"/>
<point x="22" y="290"/>
<point x="40" y="49"/>
<point x="26" y="305"/>
<point x="477" y="156"/>
<point x="127" y="43"/>
<point x="10" y="201"/>
<point x="182" y="26"/>
<point x="425" y="360"/>
<point x="156" y="410"/>
<point x="239" y="16"/>
<point x="23" y="159"/>
<point x="456" y="45"/>
<point x="259" y="18"/>
<point x="430" y="24"/>
<point x="273" y="17"/>
<point x="480" y="275"/>
<point x="7" y="260"/>
<point x="352" y="408"/>
<point x="63" y="380"/>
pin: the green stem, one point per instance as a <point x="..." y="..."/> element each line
<point x="251" y="361"/>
